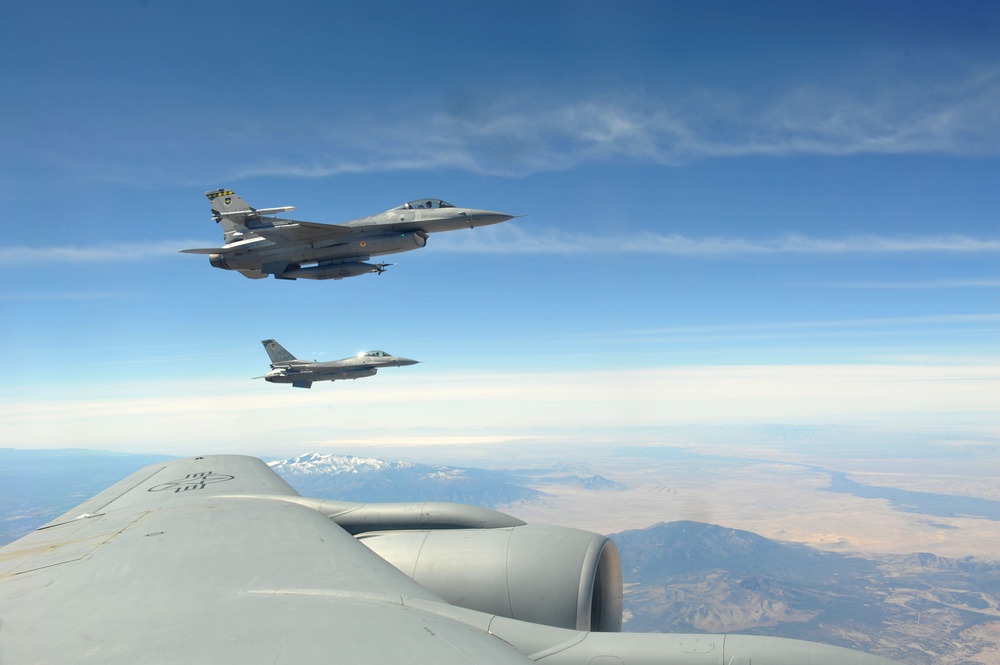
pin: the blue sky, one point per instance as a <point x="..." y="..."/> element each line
<point x="733" y="212"/>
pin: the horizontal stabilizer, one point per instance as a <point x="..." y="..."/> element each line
<point x="231" y="247"/>
<point x="204" y="250"/>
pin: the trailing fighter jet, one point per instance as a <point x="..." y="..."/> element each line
<point x="258" y="245"/>
<point x="216" y="559"/>
<point x="286" y="368"/>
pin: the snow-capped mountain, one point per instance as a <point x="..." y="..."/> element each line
<point x="326" y="465"/>
<point x="368" y="479"/>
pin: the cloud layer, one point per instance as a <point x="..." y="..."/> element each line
<point x="516" y="134"/>
<point x="513" y="239"/>
<point x="109" y="252"/>
<point x="185" y="417"/>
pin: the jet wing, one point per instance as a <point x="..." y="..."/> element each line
<point x="283" y="230"/>
<point x="210" y="560"/>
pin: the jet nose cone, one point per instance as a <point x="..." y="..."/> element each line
<point x="487" y="217"/>
<point x="403" y="362"/>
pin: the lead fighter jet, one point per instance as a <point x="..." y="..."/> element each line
<point x="286" y="368"/>
<point x="259" y="245"/>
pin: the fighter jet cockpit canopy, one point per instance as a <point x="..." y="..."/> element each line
<point x="424" y="204"/>
<point x="373" y="354"/>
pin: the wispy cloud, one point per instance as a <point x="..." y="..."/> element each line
<point x="831" y="324"/>
<point x="984" y="283"/>
<point x="731" y="335"/>
<point x="514" y="239"/>
<point x="521" y="133"/>
<point x="56" y="297"/>
<point x="134" y="251"/>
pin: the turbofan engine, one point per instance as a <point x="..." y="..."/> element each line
<point x="543" y="574"/>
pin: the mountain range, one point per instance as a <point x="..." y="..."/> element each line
<point x="917" y="608"/>
<point x="352" y="478"/>
<point x="366" y="479"/>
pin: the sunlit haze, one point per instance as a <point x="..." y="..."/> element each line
<point x="729" y="214"/>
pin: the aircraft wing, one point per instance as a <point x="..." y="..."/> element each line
<point x="283" y="230"/>
<point x="215" y="559"/>
<point x="279" y="231"/>
<point x="201" y="561"/>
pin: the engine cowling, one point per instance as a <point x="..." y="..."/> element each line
<point x="543" y="574"/>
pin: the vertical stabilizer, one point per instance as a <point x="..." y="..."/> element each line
<point x="228" y="204"/>
<point x="276" y="352"/>
<point x="231" y="211"/>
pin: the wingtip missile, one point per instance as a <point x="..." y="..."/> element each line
<point x="254" y="212"/>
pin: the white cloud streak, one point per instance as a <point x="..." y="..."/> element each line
<point x="984" y="283"/>
<point x="818" y="326"/>
<point x="520" y="134"/>
<point x="516" y="133"/>
<point x="56" y="297"/>
<point x="514" y="239"/>
<point x="117" y="252"/>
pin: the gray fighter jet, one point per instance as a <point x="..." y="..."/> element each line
<point x="259" y="245"/>
<point x="286" y="368"/>
<point x="216" y="559"/>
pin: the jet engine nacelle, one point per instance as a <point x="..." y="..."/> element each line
<point x="218" y="261"/>
<point x="543" y="574"/>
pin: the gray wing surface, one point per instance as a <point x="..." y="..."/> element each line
<point x="217" y="560"/>
<point x="283" y="230"/>
<point x="210" y="560"/>
<point x="277" y="231"/>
